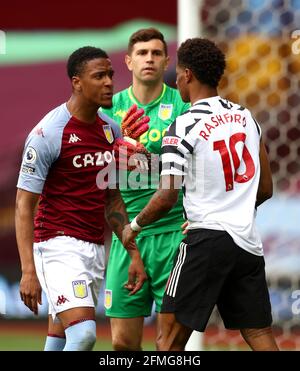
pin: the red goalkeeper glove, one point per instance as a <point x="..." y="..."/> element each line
<point x="134" y="124"/>
<point x="132" y="155"/>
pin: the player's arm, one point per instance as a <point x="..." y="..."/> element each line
<point x="117" y="218"/>
<point x="30" y="289"/>
<point x="162" y="201"/>
<point x="175" y="154"/>
<point x="160" y="204"/>
<point x="40" y="151"/>
<point x="265" y="188"/>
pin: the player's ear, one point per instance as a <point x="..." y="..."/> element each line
<point x="76" y="83"/>
<point x="188" y="75"/>
<point x="128" y="62"/>
<point x="167" y="62"/>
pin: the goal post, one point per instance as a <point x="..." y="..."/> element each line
<point x="188" y="25"/>
<point x="188" y="19"/>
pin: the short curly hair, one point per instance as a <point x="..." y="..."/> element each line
<point x="80" y="57"/>
<point x="203" y="58"/>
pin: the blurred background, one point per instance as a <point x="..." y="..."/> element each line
<point x="262" y="45"/>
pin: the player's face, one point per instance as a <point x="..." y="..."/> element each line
<point x="148" y="61"/>
<point x="96" y="82"/>
<point x="181" y="83"/>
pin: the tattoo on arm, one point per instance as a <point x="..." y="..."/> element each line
<point x="115" y="219"/>
<point x="161" y="203"/>
<point x="116" y="216"/>
<point x="115" y="212"/>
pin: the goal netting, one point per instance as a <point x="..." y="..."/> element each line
<point x="260" y="39"/>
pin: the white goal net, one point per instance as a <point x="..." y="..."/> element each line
<point x="262" y="44"/>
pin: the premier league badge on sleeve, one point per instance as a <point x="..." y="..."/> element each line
<point x="80" y="289"/>
<point x="108" y="133"/>
<point x="30" y="155"/>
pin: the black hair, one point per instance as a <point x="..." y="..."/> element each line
<point x="204" y="59"/>
<point x="80" y="57"/>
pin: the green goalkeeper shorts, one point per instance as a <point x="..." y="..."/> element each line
<point x="158" y="253"/>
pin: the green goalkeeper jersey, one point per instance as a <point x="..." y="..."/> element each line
<point x="162" y="112"/>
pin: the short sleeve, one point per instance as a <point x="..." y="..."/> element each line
<point x="38" y="155"/>
<point x="174" y="162"/>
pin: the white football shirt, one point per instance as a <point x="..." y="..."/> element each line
<point x="215" y="147"/>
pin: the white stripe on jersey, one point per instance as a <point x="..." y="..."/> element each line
<point x="174" y="277"/>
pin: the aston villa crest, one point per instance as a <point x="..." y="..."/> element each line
<point x="108" y="133"/>
<point x="108" y="299"/>
<point x="165" y="111"/>
<point x="80" y="289"/>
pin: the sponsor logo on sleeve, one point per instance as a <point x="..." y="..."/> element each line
<point x="80" y="289"/>
<point x="30" y="155"/>
<point x="170" y="141"/>
<point x="165" y="111"/>
<point x="108" y="299"/>
<point x="27" y="169"/>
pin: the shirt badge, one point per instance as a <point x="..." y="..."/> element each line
<point x="165" y="111"/>
<point x="108" y="133"/>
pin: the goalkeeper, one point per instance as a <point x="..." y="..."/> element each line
<point x="147" y="59"/>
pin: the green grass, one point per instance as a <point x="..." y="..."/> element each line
<point x="25" y="341"/>
<point x="21" y="341"/>
<point x="18" y="335"/>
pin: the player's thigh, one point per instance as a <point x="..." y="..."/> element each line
<point x="163" y="249"/>
<point x="69" y="273"/>
<point x="65" y="319"/>
<point x="72" y="316"/>
<point x="127" y="332"/>
<point x="118" y="303"/>
<point x="55" y="327"/>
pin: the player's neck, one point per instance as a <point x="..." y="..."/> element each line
<point x="202" y="93"/>
<point x="82" y="111"/>
<point x="145" y="94"/>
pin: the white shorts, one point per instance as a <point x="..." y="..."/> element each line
<point x="70" y="272"/>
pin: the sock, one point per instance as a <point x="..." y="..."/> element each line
<point x="80" y="336"/>
<point x="54" y="343"/>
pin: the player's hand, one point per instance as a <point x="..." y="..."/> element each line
<point x="128" y="236"/>
<point x="184" y="227"/>
<point x="134" y="124"/>
<point x="31" y="291"/>
<point x="136" y="271"/>
<point x="131" y="156"/>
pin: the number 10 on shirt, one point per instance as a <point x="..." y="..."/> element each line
<point x="230" y="155"/>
